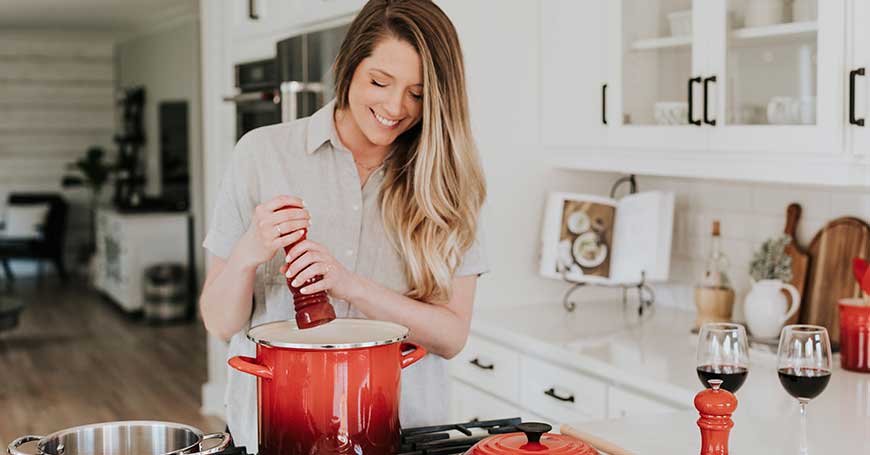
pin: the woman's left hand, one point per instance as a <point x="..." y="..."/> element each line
<point x="308" y="259"/>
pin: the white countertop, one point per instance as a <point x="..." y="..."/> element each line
<point x="657" y="358"/>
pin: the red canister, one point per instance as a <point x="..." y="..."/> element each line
<point x="854" y="335"/>
<point x="330" y="389"/>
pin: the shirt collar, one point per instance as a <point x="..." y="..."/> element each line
<point x="321" y="129"/>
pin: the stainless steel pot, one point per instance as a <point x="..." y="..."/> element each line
<point x="124" y="438"/>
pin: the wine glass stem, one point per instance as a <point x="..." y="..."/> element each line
<point x="804" y="447"/>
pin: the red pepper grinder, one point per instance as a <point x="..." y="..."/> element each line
<point x="312" y="310"/>
<point x="715" y="406"/>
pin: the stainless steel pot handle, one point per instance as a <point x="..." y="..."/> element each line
<point x="13" y="448"/>
<point x="225" y="438"/>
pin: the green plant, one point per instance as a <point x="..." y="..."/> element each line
<point x="770" y="261"/>
<point x="93" y="172"/>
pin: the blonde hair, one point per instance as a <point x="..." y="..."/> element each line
<point x="434" y="184"/>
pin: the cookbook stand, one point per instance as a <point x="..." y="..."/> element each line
<point x="645" y="294"/>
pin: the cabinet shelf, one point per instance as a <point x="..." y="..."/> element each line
<point x="779" y="33"/>
<point x="670" y="42"/>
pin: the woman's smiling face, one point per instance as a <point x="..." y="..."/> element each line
<point x="385" y="94"/>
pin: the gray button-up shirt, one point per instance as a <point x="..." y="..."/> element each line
<point x="304" y="158"/>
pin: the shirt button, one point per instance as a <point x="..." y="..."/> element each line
<point x="349" y="252"/>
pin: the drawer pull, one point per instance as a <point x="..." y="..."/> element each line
<point x="551" y="392"/>
<point x="476" y="362"/>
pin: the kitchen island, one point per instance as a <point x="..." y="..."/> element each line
<point x="654" y="355"/>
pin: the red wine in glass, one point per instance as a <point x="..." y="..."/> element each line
<point x="732" y="376"/>
<point x="804" y="383"/>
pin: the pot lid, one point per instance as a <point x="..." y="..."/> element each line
<point x="534" y="439"/>
<point x="338" y="334"/>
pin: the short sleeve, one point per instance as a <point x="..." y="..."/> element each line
<point x="235" y="201"/>
<point x="474" y="262"/>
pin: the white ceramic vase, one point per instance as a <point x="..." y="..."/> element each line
<point x="767" y="309"/>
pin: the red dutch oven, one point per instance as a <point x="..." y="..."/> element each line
<point x="331" y="389"/>
<point x="534" y="439"/>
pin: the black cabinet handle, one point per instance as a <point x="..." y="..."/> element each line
<point x="852" y="75"/>
<point x="476" y="362"/>
<point x="551" y="392"/>
<point x="707" y="119"/>
<point x="692" y="82"/>
<point x="252" y="10"/>
<point x="604" y="104"/>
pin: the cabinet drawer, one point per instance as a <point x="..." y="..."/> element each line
<point x="468" y="403"/>
<point x="560" y="394"/>
<point x="624" y="404"/>
<point x="488" y="366"/>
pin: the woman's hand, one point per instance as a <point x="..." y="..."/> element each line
<point x="272" y="229"/>
<point x="309" y="259"/>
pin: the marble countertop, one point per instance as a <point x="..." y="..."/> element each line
<point x="655" y="355"/>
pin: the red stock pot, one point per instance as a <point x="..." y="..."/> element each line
<point x="330" y="389"/>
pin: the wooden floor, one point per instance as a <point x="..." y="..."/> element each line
<point x="75" y="359"/>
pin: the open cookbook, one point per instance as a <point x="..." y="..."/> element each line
<point x="595" y="239"/>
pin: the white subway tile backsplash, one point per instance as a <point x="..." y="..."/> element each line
<point x="720" y="196"/>
<point x="851" y="204"/>
<point x="770" y="200"/>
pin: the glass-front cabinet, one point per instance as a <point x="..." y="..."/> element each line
<point x="736" y="75"/>
<point x="656" y="54"/>
<point x="779" y="75"/>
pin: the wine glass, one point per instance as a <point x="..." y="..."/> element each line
<point x="723" y="353"/>
<point x="804" y="365"/>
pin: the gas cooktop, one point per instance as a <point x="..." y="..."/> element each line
<point x="448" y="439"/>
<point x="453" y="438"/>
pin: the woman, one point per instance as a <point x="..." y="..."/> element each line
<point x="390" y="183"/>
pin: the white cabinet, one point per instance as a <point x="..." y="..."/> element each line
<point x="779" y="86"/>
<point x="654" y="73"/>
<point x="564" y="395"/>
<point x="489" y="366"/>
<point x="128" y="243"/>
<point x="491" y="380"/>
<point x="254" y="17"/>
<point x="708" y="88"/>
<point x="469" y="403"/>
<point x="573" y="76"/>
<point x="857" y="111"/>
<point x="623" y="403"/>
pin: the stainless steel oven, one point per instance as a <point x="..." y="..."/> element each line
<point x="258" y="102"/>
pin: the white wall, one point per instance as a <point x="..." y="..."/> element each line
<point x="166" y="61"/>
<point x="56" y="100"/>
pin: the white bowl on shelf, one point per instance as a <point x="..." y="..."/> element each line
<point x="671" y="113"/>
<point x="760" y="13"/>
<point x="681" y="23"/>
<point x="805" y="10"/>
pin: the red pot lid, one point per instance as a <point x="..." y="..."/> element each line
<point x="534" y="439"/>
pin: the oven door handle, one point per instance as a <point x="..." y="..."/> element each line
<point x="254" y="96"/>
<point x="290" y="100"/>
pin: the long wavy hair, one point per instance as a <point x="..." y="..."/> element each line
<point x="434" y="184"/>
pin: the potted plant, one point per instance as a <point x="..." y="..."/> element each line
<point x="91" y="171"/>
<point x="766" y="308"/>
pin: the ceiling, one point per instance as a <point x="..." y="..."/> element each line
<point x="117" y="16"/>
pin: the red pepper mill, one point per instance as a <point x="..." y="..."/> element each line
<point x="715" y="406"/>
<point x="312" y="310"/>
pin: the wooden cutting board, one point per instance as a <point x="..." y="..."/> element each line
<point x="800" y="260"/>
<point x="830" y="272"/>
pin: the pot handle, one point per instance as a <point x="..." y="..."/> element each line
<point x="412" y="357"/>
<point x="225" y="442"/>
<point x="795" y="300"/>
<point x="13" y="448"/>
<point x="249" y="365"/>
